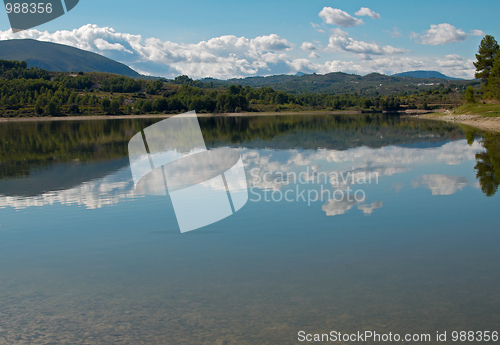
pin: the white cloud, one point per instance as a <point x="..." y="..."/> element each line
<point x="340" y="41"/>
<point x="477" y="33"/>
<point x="440" y="34"/>
<point x="270" y="43"/>
<point x="454" y="61"/>
<point x="314" y="55"/>
<point x="105" y="45"/>
<point x="365" y="11"/>
<point x="230" y="56"/>
<point x="308" y="46"/>
<point x="220" y="57"/>
<point x="335" y="16"/>
<point x="457" y="65"/>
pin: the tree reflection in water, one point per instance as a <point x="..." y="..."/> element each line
<point x="488" y="162"/>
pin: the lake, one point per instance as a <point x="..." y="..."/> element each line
<point x="353" y="223"/>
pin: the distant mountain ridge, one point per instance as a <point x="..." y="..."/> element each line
<point x="424" y="74"/>
<point x="339" y="83"/>
<point x="61" y="58"/>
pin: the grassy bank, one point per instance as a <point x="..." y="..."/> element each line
<point x="485" y="117"/>
<point x="488" y="110"/>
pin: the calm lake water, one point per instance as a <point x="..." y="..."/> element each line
<point x="87" y="259"/>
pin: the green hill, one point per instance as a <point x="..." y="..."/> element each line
<point x="60" y="58"/>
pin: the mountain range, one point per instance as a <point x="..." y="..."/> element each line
<point x="62" y="58"/>
<point x="340" y="82"/>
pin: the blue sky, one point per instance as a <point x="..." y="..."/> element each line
<point x="226" y="39"/>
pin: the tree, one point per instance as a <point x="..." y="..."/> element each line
<point x="469" y="135"/>
<point x="38" y="109"/>
<point x="114" y="107"/>
<point x="488" y="165"/>
<point x="469" y="95"/>
<point x="52" y="108"/>
<point x="147" y="107"/>
<point x="105" y="104"/>
<point x="182" y="79"/>
<point x="160" y="104"/>
<point x="73" y="108"/>
<point x="72" y="97"/>
<point x="486" y="174"/>
<point x="494" y="79"/>
<point x="235" y="89"/>
<point x="485" y="56"/>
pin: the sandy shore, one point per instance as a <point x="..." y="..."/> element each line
<point x="491" y="124"/>
<point x="163" y="116"/>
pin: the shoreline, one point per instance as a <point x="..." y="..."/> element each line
<point x="491" y="124"/>
<point x="488" y="124"/>
<point x="164" y="116"/>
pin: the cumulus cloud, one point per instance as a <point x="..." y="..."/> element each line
<point x="477" y="33"/>
<point x="454" y="64"/>
<point x="105" y="45"/>
<point x="308" y="46"/>
<point x="271" y="43"/>
<point x="335" y="16"/>
<point x="314" y="55"/>
<point x="365" y="11"/>
<point x="230" y="56"/>
<point x="220" y="57"/>
<point x="340" y="41"/>
<point x="455" y="61"/>
<point x="440" y="34"/>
